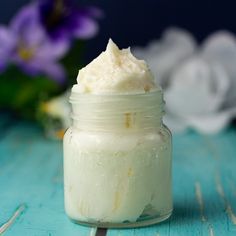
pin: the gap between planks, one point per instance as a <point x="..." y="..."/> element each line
<point x="12" y="219"/>
<point x="98" y="232"/>
<point x="222" y="195"/>
<point x="198" y="193"/>
<point x="199" y="197"/>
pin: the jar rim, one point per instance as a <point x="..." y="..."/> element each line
<point x="154" y="92"/>
<point x="130" y="112"/>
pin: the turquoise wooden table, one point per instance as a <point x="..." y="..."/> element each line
<point x="31" y="186"/>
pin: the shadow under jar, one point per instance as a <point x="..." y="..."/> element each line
<point x="117" y="160"/>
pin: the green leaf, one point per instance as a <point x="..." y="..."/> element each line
<point x="22" y="94"/>
<point x="72" y="61"/>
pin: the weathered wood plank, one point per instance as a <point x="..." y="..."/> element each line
<point x="204" y="186"/>
<point x="33" y="175"/>
<point x="204" y="180"/>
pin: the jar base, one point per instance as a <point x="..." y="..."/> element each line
<point x="139" y="223"/>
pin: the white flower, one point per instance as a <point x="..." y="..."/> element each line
<point x="163" y="56"/>
<point x="199" y="82"/>
<point x="196" y="93"/>
<point x="221" y="47"/>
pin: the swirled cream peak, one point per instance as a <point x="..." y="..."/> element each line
<point x="115" y="71"/>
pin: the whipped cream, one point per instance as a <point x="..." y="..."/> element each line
<point x="115" y="71"/>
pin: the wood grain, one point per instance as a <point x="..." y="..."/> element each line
<point x="204" y="186"/>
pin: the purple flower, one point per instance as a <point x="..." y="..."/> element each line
<point x="62" y="19"/>
<point x="41" y="34"/>
<point x="26" y="43"/>
<point x="7" y="43"/>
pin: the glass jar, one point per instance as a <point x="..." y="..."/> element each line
<point x="117" y="160"/>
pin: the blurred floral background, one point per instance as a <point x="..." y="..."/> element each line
<point x="199" y="80"/>
<point x="40" y="57"/>
<point x="43" y="44"/>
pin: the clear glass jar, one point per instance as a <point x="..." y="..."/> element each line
<point x="117" y="160"/>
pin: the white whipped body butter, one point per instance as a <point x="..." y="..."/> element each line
<point x="117" y="154"/>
